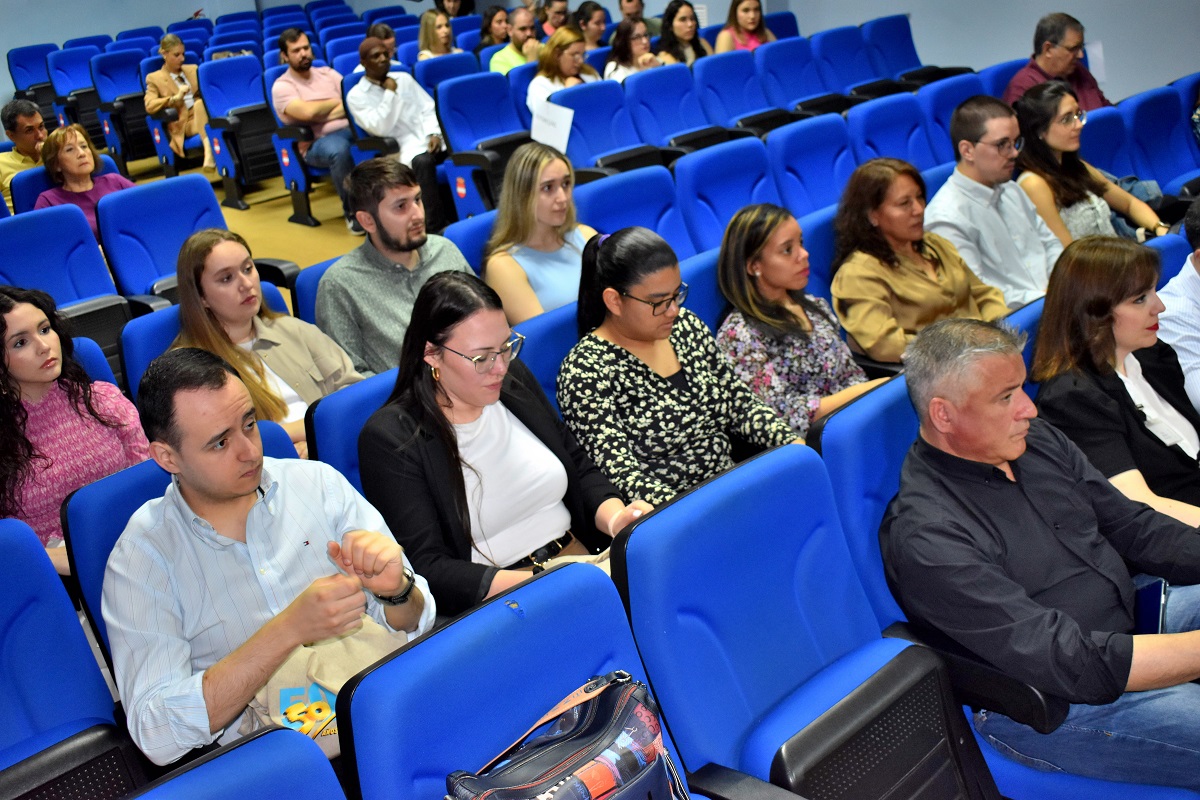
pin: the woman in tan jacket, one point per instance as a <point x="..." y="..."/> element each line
<point x="176" y="86"/>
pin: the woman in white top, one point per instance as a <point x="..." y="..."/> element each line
<point x="680" y="42"/>
<point x="435" y="38"/>
<point x="560" y="66"/>
<point x="468" y="463"/>
<point x="630" y="51"/>
<point x="1109" y="383"/>
<point x="1073" y="197"/>
<point x="286" y="363"/>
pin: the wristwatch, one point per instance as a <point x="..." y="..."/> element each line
<point x="402" y="598"/>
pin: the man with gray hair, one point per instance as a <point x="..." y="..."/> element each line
<point x="1004" y="538"/>
<point x="23" y="123"/>
<point x="1057" y="55"/>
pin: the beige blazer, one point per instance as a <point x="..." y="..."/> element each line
<point x="160" y="87"/>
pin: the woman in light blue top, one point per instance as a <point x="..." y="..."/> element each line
<point x="536" y="251"/>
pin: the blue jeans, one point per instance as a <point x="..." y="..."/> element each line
<point x="1150" y="737"/>
<point x="332" y="152"/>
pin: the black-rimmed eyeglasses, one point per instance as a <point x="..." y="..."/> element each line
<point x="659" y="307"/>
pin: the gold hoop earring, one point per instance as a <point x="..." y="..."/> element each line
<point x="435" y="372"/>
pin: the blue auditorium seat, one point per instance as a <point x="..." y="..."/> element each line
<point x="96" y="40"/>
<point x="548" y="338"/>
<point x="256" y="766"/>
<point x="996" y="77"/>
<point x="819" y="240"/>
<point x="891" y="127"/>
<point x="305" y="291"/>
<point x="407" y="51"/>
<point x="704" y="298"/>
<point x="74" y="96"/>
<point x="730" y="93"/>
<point x="92" y="359"/>
<point x="1173" y="249"/>
<point x="27" y="67"/>
<point x="371" y="15"/>
<point x="782" y="24"/>
<point x="518" y="85"/>
<point x="337" y="31"/>
<point x="792" y="79"/>
<point x="938" y="101"/>
<point x="644" y="197"/>
<point x="845" y="65"/>
<point x="602" y="133"/>
<point x="713" y="183"/>
<point x="1160" y="139"/>
<point x="1103" y="143"/>
<point x="666" y="112"/>
<point x="485" y="56"/>
<point x="471" y="236"/>
<point x="341" y="46"/>
<point x="596" y="59"/>
<point x="122" y="110"/>
<point x="148" y="32"/>
<point x="482" y="129"/>
<point x="242" y="146"/>
<point x="811" y="160"/>
<point x="236" y="17"/>
<point x="28" y="184"/>
<point x="893" y="53"/>
<point x="196" y="24"/>
<point x="140" y="44"/>
<point x="432" y="71"/>
<point x="332" y="424"/>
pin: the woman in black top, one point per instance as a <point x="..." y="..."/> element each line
<point x="1109" y="383"/>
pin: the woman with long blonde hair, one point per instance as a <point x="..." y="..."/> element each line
<point x="286" y="363"/>
<point x="436" y="38"/>
<point x="535" y="254"/>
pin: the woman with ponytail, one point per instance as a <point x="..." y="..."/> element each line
<point x="474" y="473"/>
<point x="646" y="390"/>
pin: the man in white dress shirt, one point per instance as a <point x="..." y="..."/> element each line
<point x="984" y="214"/>
<point x="388" y="102"/>
<point x="1179" y="325"/>
<point x="243" y="559"/>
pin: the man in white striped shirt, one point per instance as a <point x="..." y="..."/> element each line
<point x="1179" y="325"/>
<point x="245" y="558"/>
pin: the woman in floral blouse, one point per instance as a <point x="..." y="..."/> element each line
<point x="783" y="343"/>
<point x="646" y="391"/>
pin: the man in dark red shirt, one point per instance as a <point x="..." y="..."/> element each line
<point x="1058" y="55"/>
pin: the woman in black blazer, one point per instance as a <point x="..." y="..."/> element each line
<point x="1109" y="383"/>
<point x="475" y="474"/>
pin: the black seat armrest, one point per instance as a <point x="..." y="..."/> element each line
<point x="279" y="271"/>
<point x="589" y="174"/>
<point x="669" y="155"/>
<point x="299" y="133"/>
<point x="723" y="783"/>
<point x="479" y="159"/>
<point x="878" y="369"/>
<point x="102" y="759"/>
<point x="641" y="156"/>
<point x="704" y="137"/>
<point x="506" y="143"/>
<point x="141" y="304"/>
<point x="167" y="286"/>
<point x="381" y="145"/>
<point x="167" y="114"/>
<point x="980" y="685"/>
<point x="229" y="123"/>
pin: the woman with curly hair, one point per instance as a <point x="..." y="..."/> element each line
<point x="59" y="430"/>
<point x="891" y="278"/>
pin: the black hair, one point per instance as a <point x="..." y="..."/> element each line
<point x="287" y="37"/>
<point x="667" y="43"/>
<point x="186" y="369"/>
<point x="617" y="262"/>
<point x="17" y="108"/>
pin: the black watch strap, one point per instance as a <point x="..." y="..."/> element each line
<point x="402" y="598"/>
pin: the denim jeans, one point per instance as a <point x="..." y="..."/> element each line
<point x="1148" y="737"/>
<point x="332" y="152"/>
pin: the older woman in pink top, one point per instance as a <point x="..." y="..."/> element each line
<point x="59" y="430"/>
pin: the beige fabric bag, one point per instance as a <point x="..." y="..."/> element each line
<point x="302" y="693"/>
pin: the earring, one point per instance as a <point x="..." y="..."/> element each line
<point x="435" y="372"/>
<point x="756" y="273"/>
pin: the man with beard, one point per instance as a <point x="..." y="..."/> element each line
<point x="312" y="96"/>
<point x="523" y="45"/>
<point x="988" y="218"/>
<point x="387" y="102"/>
<point x="366" y="298"/>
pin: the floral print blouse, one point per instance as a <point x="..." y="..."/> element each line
<point x="655" y="437"/>
<point x="791" y="375"/>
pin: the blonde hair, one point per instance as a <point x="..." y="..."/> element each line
<point x="555" y="46"/>
<point x="56" y="141"/>
<point x="427" y="36"/>
<point x="168" y="43"/>
<point x="517" y="214"/>
<point x="199" y="327"/>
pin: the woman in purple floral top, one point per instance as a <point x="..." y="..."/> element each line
<point x="783" y="343"/>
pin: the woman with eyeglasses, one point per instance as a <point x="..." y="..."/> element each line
<point x="630" y="51"/>
<point x="891" y="277"/>
<point x="560" y="66"/>
<point x="467" y="461"/>
<point x="1072" y="196"/>
<point x="646" y="390"/>
<point x="782" y="342"/>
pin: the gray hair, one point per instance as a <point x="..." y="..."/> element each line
<point x="17" y="108"/>
<point x="943" y="352"/>
<point x="1052" y="28"/>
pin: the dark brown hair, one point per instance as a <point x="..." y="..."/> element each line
<point x="865" y="192"/>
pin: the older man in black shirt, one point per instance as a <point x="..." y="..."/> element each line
<point x="1005" y="538"/>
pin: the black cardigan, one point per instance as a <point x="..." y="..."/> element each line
<point x="408" y="478"/>
<point x="1096" y="413"/>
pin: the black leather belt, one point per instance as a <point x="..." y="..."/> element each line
<point x="544" y="553"/>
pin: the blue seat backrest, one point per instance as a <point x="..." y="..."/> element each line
<point x="497" y="645"/>
<point x="597" y="58"/>
<point x="92" y="359"/>
<point x="662" y="103"/>
<point x="864" y="445"/>
<point x="142" y="45"/>
<point x="231" y="83"/>
<point x="306" y="290"/>
<point x="842" y="58"/>
<point x="140" y="254"/>
<point x="713" y="183"/>
<point x="819" y="240"/>
<point x="728" y="87"/>
<point x="239" y="17"/>
<point x="70" y="69"/>
<point x="406" y="52"/>
<point x="476" y="107"/>
<point x="601" y="124"/>
<point x="341" y="46"/>
<point x="783" y="24"/>
<point x="938" y="101"/>
<point x="1027" y="319"/>
<point x="811" y="160"/>
<point x="485" y="56"/>
<point x="371" y="15"/>
<point x="1173" y="249"/>
<point x="471" y="236"/>
<point x="465" y="23"/>
<point x="704" y="294"/>
<point x="807" y="587"/>
<point x="643" y="197"/>
<point x="148" y="32"/>
<point x="97" y="41"/>
<point x="709" y="33"/>
<point x="518" y="88"/>
<point x="891" y="126"/>
<point x="432" y="71"/>
<point x="549" y="337"/>
<point x="996" y="77"/>
<point x="338" y="31"/>
<point x="116" y="74"/>
<point x="1188" y="87"/>
<point x="27" y="65"/>
<point x="60" y="236"/>
<point x="890" y="45"/>
<point x="343" y="64"/>
<point x="467" y="41"/>
<point x="337" y="419"/>
<point x="788" y="72"/>
<point x="52" y="686"/>
<point x="255" y="766"/>
<point x="197" y="24"/>
<point x="1160" y="137"/>
<point x="28" y="184"/>
<point x="1102" y="141"/>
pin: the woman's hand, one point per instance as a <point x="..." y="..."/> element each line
<point x="646" y="60"/>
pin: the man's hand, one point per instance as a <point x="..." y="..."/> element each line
<point x="531" y="48"/>
<point x="435" y="143"/>
<point x="389" y="83"/>
<point x="328" y="607"/>
<point x="376" y="560"/>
